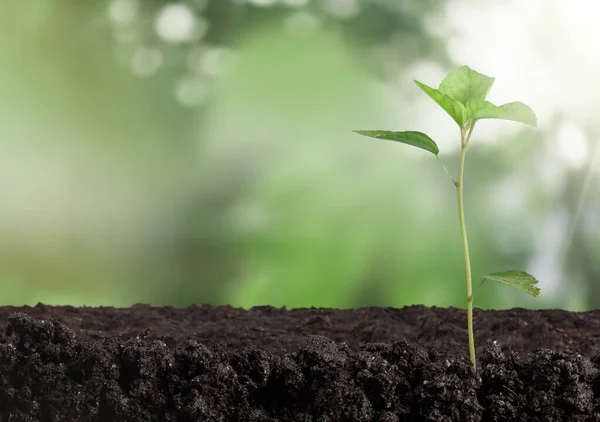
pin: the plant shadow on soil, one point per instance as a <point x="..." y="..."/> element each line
<point x="268" y="364"/>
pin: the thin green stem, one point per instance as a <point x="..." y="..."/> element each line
<point x="454" y="182"/>
<point x="464" y="141"/>
<point x="474" y="295"/>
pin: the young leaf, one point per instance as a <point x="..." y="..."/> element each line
<point x="516" y="111"/>
<point x="515" y="278"/>
<point x="417" y="139"/>
<point x="464" y="84"/>
<point x="454" y="108"/>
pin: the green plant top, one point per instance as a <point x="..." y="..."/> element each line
<point x="462" y="94"/>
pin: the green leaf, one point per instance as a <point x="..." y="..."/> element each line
<point x="464" y="84"/>
<point x="417" y="139"/>
<point x="453" y="107"/>
<point x="515" y="278"/>
<point x="516" y="111"/>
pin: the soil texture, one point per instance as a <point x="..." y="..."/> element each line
<point x="308" y="365"/>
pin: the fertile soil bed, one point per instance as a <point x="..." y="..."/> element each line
<point x="226" y="364"/>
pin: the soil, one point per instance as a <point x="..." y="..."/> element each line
<point x="226" y="364"/>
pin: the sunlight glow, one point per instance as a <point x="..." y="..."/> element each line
<point x="542" y="52"/>
<point x="176" y="23"/>
<point x="295" y="3"/>
<point x="572" y="144"/>
<point x="123" y="11"/>
<point x="146" y="61"/>
<point x="344" y="9"/>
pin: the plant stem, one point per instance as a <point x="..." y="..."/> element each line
<point x="464" y="141"/>
<point x="454" y="182"/>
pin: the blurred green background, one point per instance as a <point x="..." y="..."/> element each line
<point x="201" y="152"/>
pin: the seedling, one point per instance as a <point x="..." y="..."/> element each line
<point x="462" y="95"/>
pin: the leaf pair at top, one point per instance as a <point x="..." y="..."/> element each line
<point x="462" y="95"/>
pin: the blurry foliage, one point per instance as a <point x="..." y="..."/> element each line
<point x="221" y="168"/>
<point x="305" y="259"/>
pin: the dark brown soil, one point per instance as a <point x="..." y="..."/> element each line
<point x="323" y="365"/>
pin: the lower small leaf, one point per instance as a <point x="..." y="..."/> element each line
<point x="516" y="278"/>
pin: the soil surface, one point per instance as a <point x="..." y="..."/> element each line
<point x="263" y="365"/>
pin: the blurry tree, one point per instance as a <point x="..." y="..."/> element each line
<point x="581" y="255"/>
<point x="81" y="143"/>
<point x="206" y="252"/>
<point x="106" y="162"/>
<point x="200" y="152"/>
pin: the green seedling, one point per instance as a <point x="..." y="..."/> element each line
<point x="462" y="94"/>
